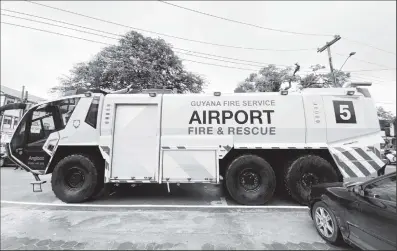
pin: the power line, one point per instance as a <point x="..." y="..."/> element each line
<point x="376" y="78"/>
<point x="58" y="26"/>
<point x="118" y="35"/>
<point x="357" y="59"/>
<point x="271" y="29"/>
<point x="386" y="69"/>
<point x="220" y="65"/>
<point x="244" y="23"/>
<point x="166" y="35"/>
<point x="122" y="36"/>
<point x="227" y="61"/>
<point x="235" y="59"/>
<point x="57" y="21"/>
<point x="371" y="46"/>
<point x="56" y="33"/>
<point x="60" y="34"/>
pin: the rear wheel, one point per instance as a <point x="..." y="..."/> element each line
<point x="304" y="172"/>
<point x="250" y="180"/>
<point x="74" y="179"/>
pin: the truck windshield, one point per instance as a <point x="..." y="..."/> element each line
<point x="66" y="108"/>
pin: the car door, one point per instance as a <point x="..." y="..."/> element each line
<point x="373" y="218"/>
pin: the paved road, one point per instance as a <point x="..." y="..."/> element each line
<point x="15" y="186"/>
<point x="88" y="227"/>
<point x="32" y="227"/>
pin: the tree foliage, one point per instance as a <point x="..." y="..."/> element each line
<point x="385" y="115"/>
<point x="136" y="60"/>
<point x="271" y="77"/>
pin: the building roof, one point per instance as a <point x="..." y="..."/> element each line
<point x="17" y="94"/>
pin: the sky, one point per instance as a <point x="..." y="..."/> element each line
<point x="37" y="59"/>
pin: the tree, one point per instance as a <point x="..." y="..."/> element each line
<point x="136" y="60"/>
<point x="323" y="80"/>
<point x="270" y="79"/>
<point x="385" y="115"/>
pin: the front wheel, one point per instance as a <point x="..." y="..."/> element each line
<point x="250" y="180"/>
<point x="74" y="179"/>
<point x="326" y="225"/>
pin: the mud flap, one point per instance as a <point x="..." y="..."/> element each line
<point x="358" y="161"/>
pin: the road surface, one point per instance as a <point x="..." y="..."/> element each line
<point x="143" y="218"/>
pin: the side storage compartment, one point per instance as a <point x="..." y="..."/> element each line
<point x="135" y="138"/>
<point x="190" y="165"/>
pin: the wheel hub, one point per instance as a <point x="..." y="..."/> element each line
<point x="324" y="222"/>
<point x="309" y="179"/>
<point x="74" y="178"/>
<point x="249" y="180"/>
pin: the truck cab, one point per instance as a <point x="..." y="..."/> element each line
<point x="37" y="134"/>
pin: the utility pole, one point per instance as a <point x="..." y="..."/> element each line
<point x="328" y="47"/>
<point x="22" y="101"/>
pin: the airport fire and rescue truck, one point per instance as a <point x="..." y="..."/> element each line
<point x="252" y="142"/>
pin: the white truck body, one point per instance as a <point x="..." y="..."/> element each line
<point x="174" y="138"/>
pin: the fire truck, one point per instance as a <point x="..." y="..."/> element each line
<point x="251" y="142"/>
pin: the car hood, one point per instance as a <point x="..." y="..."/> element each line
<point x="327" y="185"/>
<point x="346" y="184"/>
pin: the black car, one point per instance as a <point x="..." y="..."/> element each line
<point x="362" y="214"/>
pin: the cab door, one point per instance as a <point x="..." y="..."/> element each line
<point x="27" y="143"/>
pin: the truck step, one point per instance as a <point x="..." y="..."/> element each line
<point x="37" y="184"/>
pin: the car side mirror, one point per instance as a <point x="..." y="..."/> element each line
<point x="359" y="190"/>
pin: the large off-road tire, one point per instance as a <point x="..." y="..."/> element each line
<point x="326" y="224"/>
<point x="74" y="179"/>
<point x="250" y="180"/>
<point x="304" y="172"/>
<point x="100" y="186"/>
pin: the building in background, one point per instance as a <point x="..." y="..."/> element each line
<point x="9" y="119"/>
<point x="388" y="129"/>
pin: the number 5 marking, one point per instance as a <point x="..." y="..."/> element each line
<point x="345" y="113"/>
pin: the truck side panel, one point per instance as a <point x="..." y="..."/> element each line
<point x="349" y="117"/>
<point x="245" y="119"/>
<point x="190" y="165"/>
<point x="135" y="142"/>
<point x="207" y="122"/>
<point x="316" y="131"/>
<point x="353" y="134"/>
<point x="130" y="136"/>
